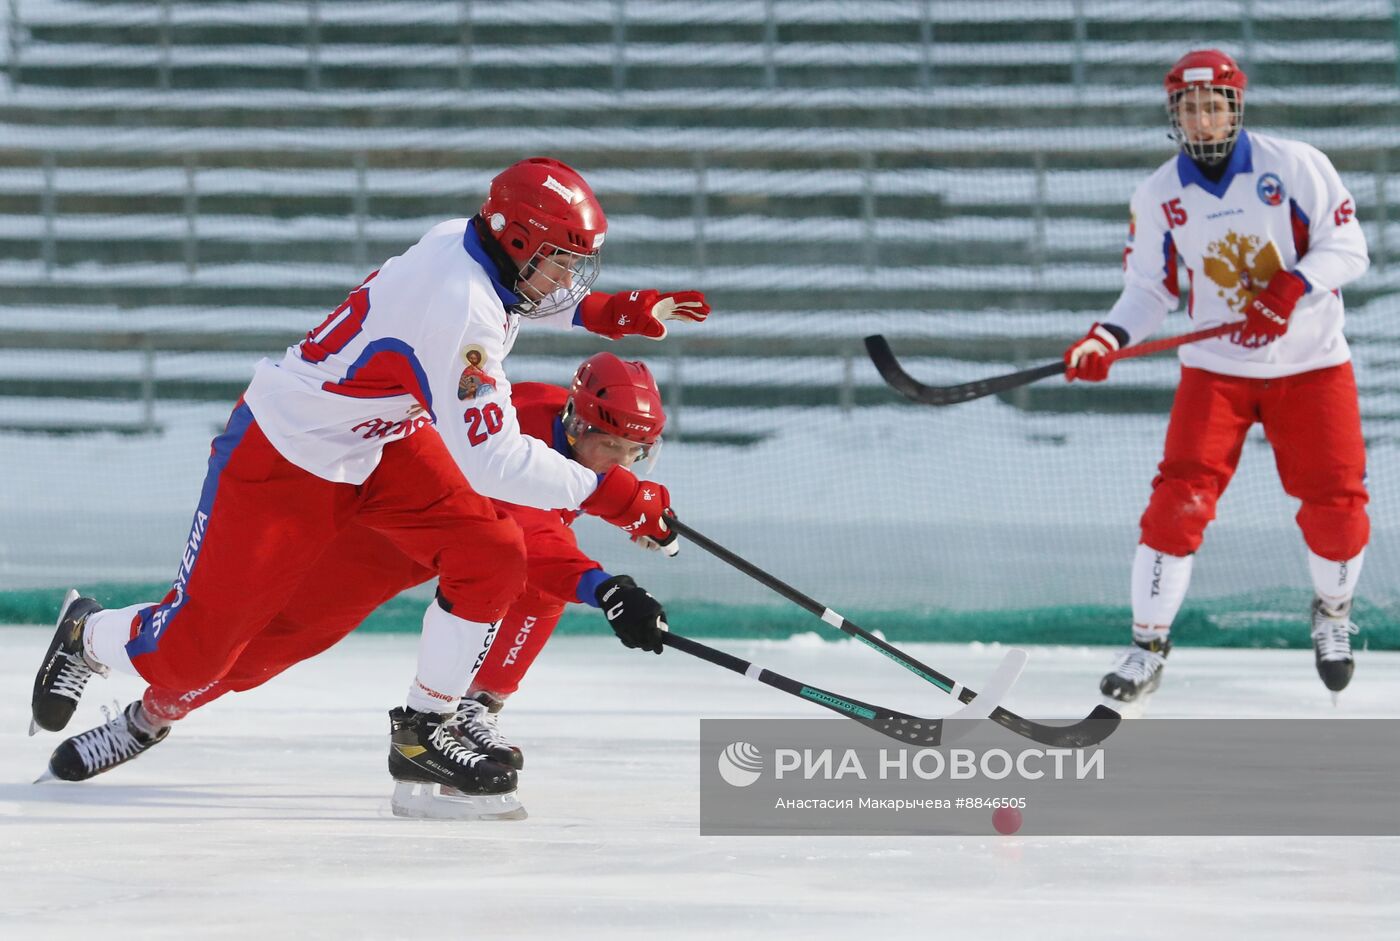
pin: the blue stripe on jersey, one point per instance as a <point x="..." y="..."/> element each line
<point x="1169" y="275"/>
<point x="472" y="243"/>
<point x="1302" y="236"/>
<point x="392" y="345"/>
<point x="1241" y="160"/>
<point x="1297" y="210"/>
<point x="155" y="620"/>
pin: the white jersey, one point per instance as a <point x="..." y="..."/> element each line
<point x="1280" y="204"/>
<point x="420" y="342"/>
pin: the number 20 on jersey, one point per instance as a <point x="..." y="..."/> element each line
<point x="483" y="422"/>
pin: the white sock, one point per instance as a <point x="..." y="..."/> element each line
<point x="1159" y="587"/>
<point x="450" y="652"/>
<point x="105" y="636"/>
<point x="1335" y="582"/>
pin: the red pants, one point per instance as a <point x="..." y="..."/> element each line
<point x="366" y="567"/>
<point x="281" y="559"/>
<point x="528" y="624"/>
<point x="373" y="571"/>
<point x="1313" y="422"/>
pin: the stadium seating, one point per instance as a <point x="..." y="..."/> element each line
<point x="184" y="176"/>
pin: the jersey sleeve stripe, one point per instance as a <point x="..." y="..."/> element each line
<point x="1301" y="226"/>
<point x="385" y="368"/>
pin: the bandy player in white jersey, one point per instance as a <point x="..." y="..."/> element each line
<point x="380" y="441"/>
<point x="1268" y="235"/>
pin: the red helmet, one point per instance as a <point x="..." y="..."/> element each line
<point x="617" y="397"/>
<point x="1198" y="78"/>
<point x="538" y="209"/>
<point x="1205" y="67"/>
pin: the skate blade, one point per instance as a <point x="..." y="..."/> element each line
<point x="33" y="728"/>
<point x="68" y="600"/>
<point x="48" y="775"/>
<point x="1334" y="693"/>
<point x="423" y="801"/>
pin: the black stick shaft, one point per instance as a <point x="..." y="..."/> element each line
<point x="1098" y="725"/>
<point x="887" y="364"/>
<point x="897" y="725"/>
<point x="945" y="683"/>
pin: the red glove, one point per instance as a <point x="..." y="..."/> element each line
<point x="642" y="313"/>
<point x="1267" y="315"/>
<point x="1086" y="358"/>
<point x="637" y="506"/>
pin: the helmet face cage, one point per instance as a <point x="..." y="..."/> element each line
<point x="557" y="280"/>
<point x="1206" y="100"/>
<point x="576" y="426"/>
<point x="549" y="224"/>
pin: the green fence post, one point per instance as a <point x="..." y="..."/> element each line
<point x="620" y="46"/>
<point x="770" y="41"/>
<point x="847" y="397"/>
<point x="926" y="42"/>
<point x="165" y="44"/>
<point x="313" y="45"/>
<point x="15" y="43"/>
<point x="48" y="206"/>
<point x="148" y="384"/>
<point x="361" y="211"/>
<point x="1395" y="24"/>
<point x="700" y="210"/>
<point x="1247" y="33"/>
<point x="1081" y="38"/>
<point x="1038" y="213"/>
<point x="675" y="389"/>
<point x="867" y="208"/>
<point x="1382" y="201"/>
<point x="191" y="215"/>
<point x="464" y="40"/>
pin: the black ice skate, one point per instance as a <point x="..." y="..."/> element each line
<point x="60" y="681"/>
<point x="1138" y="671"/>
<point x="1331" y="637"/>
<point x="123" y="737"/>
<point x="476" y="715"/>
<point x="439" y="774"/>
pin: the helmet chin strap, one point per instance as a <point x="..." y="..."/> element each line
<point x="510" y="271"/>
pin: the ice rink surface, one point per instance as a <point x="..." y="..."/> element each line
<point x="266" y="815"/>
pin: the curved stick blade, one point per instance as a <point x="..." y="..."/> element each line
<point x="961" y="723"/>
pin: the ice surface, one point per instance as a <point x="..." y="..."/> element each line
<point x="266" y="815"/>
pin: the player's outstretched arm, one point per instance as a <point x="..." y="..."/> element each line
<point x="638" y="507"/>
<point x="639" y="313"/>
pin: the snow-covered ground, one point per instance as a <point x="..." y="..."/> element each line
<point x="267" y="816"/>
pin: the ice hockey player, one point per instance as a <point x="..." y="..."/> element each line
<point x="610" y="416"/>
<point x="387" y="431"/>
<point x="1268" y="235"/>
